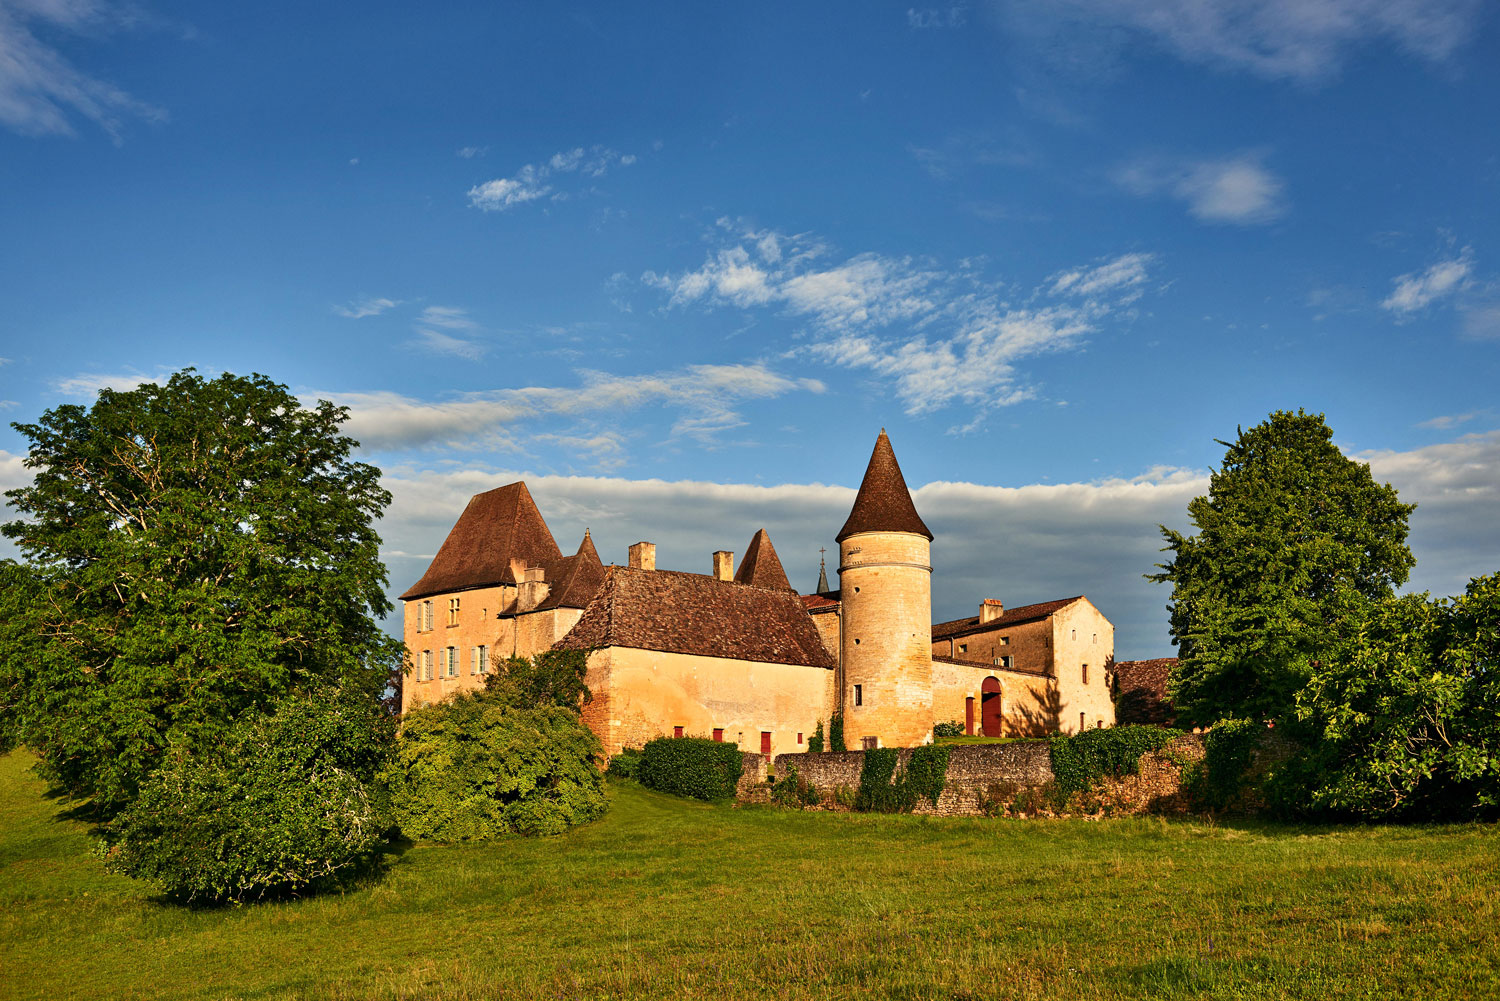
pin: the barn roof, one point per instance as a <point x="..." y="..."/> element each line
<point x="760" y="566"/>
<point x="1011" y="617"/>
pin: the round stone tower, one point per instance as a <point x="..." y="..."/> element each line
<point x="885" y="580"/>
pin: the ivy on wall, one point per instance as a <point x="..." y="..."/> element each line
<point x="1083" y="759"/>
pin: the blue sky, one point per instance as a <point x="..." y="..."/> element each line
<point x="677" y="267"/>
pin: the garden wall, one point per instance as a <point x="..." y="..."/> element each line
<point x="1012" y="779"/>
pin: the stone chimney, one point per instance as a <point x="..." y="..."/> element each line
<point x="643" y="556"/>
<point x="531" y="589"/>
<point x="990" y="610"/>
<point x="724" y="565"/>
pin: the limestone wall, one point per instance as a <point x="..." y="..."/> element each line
<point x="1083" y="636"/>
<point x="1014" y="780"/>
<point x="641" y="694"/>
<point x="885" y="581"/>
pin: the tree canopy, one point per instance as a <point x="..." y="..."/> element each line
<point x="1294" y="542"/>
<point x="194" y="550"/>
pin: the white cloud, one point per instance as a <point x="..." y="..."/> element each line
<point x="1237" y="189"/>
<point x="447" y="344"/>
<point x="940" y="336"/>
<point x="1095" y="538"/>
<point x="1481" y="320"/>
<point x="704" y="398"/>
<point x="1416" y="291"/>
<point x="955" y="16"/>
<point x="1447" y="421"/>
<point x="362" y="308"/>
<point x="1303" y="40"/>
<point x="447" y="317"/>
<point x="470" y="152"/>
<point x="88" y="384"/>
<point x="536" y="180"/>
<point x="40" y="90"/>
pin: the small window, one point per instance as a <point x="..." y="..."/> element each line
<point x="859" y="695"/>
<point x="856" y="641"/>
<point x="719" y="734"/>
<point x="424" y="673"/>
<point x="1072" y="634"/>
<point x="452" y="611"/>
<point x="1099" y="724"/>
<point x="1081" y="724"/>
<point x="1002" y="662"/>
<point x="677" y="731"/>
<point x="1005" y="641"/>
<point x="1094" y="638"/>
<point x="453" y="662"/>
<point x="963" y="648"/>
<point x="481" y="660"/>
<point x="424" y="617"/>
<point x="869" y="743"/>
<point x="799" y="736"/>
<point x="1085" y="674"/>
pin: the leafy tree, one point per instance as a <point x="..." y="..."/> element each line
<point x="195" y="551"/>
<point x="1294" y="543"/>
<point x="1406" y="714"/>
<point x="550" y="678"/>
<point x="477" y="766"/>
<point x="286" y="802"/>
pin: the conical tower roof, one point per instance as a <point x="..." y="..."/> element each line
<point x="883" y="504"/>
<point x="761" y="567"/>
<point x="496" y="527"/>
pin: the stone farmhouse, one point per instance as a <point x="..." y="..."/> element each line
<point x="737" y="654"/>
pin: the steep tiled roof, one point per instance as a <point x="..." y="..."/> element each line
<point x="1039" y="672"/>
<point x="760" y="566"/>
<point x="1011" y="617"/>
<point x="1141" y="690"/>
<point x="575" y="579"/>
<point x="497" y="526"/>
<point x="700" y="615"/>
<point x="883" y="503"/>
<point x="818" y="602"/>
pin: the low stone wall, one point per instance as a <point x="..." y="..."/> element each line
<point x="1012" y="780"/>
<point x="753" y="777"/>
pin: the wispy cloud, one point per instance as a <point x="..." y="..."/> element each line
<point x="40" y="90"/>
<point x="704" y="398"/>
<point x="1419" y="289"/>
<point x="1302" y="40"/>
<point x="470" y="152"/>
<point x="953" y="16"/>
<point x="940" y="336"/>
<point x="361" y="308"/>
<point x="1447" y="421"/>
<point x="1237" y="189"/>
<point x="534" y="181"/>
<point x="960" y="152"/>
<point x="449" y="330"/>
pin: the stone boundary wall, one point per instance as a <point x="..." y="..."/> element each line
<point x="754" y="776"/>
<point x="1012" y="780"/>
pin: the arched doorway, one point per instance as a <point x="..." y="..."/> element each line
<point x="990" y="706"/>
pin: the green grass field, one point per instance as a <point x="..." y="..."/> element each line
<point x="670" y="899"/>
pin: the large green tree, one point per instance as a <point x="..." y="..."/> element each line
<point x="1294" y="543"/>
<point x="194" y="551"/>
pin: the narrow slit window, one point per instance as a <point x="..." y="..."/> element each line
<point x="859" y="695"/>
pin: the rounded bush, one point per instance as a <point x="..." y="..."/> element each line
<point x="691" y="766"/>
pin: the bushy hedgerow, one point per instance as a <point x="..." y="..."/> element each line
<point x="691" y="766"/>
<point x="623" y="765"/>
<point x="478" y="766"/>
<point x="952" y="728"/>
<point x="882" y="789"/>
<point x="287" y="802"/>
<point x="1082" y="759"/>
<point x="793" y="790"/>
<point x="1228" y="747"/>
<point x="814" y="743"/>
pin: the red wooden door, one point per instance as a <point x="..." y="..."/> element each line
<point x="969" y="716"/>
<point x="765" y="744"/>
<point x="990" y="707"/>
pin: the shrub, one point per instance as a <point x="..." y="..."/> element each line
<point x="1228" y="747"/>
<point x="793" y="789"/>
<point x="815" y="742"/>
<point x="1081" y="760"/>
<point x="475" y="766"/>
<point x="836" y="732"/>
<point x="952" y="728"/>
<point x="624" y="764"/>
<point x="288" y="802"/>
<point x="691" y="766"/>
<point x="882" y="789"/>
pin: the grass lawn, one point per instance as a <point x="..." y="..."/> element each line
<point x="671" y="899"/>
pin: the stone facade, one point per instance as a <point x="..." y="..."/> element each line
<point x="886" y="582"/>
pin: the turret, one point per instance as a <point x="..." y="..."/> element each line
<point x="885" y="579"/>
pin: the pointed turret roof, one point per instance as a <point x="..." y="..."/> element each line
<point x="822" y="576"/>
<point x="575" y="579"/>
<point x="883" y="504"/>
<point x="498" y="526"/>
<point x="761" y="567"/>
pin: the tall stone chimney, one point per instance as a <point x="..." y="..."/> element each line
<point x="643" y="556"/>
<point x="724" y="565"/>
<point x="531" y="589"/>
<point x="990" y="610"/>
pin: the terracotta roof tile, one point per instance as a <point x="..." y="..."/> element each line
<point x="1011" y="617"/>
<point x="819" y="602"/>
<point x="695" y="614"/>
<point x="496" y="527"/>
<point x="883" y="503"/>
<point x="1141" y="690"/>
<point x="575" y="579"/>
<point x="760" y="566"/>
<point x="987" y="666"/>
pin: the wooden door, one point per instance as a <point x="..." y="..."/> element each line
<point x="991" y="706"/>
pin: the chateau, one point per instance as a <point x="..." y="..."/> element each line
<point x="737" y="654"/>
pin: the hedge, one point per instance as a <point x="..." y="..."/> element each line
<point x="884" y="790"/>
<point x="691" y="766"/>
<point x="1082" y="759"/>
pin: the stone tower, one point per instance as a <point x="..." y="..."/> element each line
<point x="885" y="577"/>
